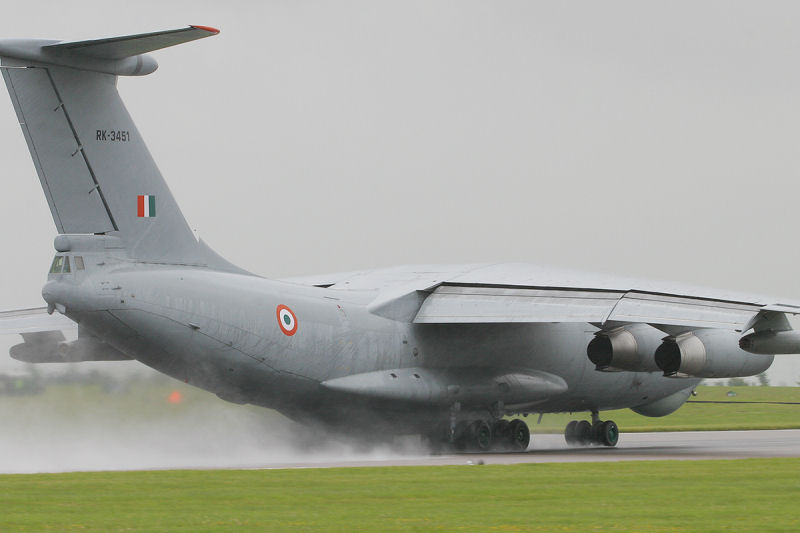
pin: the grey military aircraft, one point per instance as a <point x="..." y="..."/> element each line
<point x="449" y="352"/>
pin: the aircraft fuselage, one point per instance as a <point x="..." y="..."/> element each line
<point x="222" y="332"/>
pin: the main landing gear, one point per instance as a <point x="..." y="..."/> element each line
<point x="598" y="432"/>
<point x="482" y="436"/>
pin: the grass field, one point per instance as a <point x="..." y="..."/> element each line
<point x="668" y="496"/>
<point x="736" y="413"/>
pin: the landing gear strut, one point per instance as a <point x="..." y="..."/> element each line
<point x="598" y="432"/>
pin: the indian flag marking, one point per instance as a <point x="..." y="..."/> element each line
<point x="286" y="320"/>
<point x="146" y="205"/>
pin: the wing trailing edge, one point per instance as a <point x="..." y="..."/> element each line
<point x="453" y="303"/>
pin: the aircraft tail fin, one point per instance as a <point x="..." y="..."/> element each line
<point x="96" y="172"/>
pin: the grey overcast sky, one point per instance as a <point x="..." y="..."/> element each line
<point x="656" y="140"/>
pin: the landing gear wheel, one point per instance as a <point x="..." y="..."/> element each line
<point x="583" y="433"/>
<point x="570" y="433"/>
<point x="609" y="433"/>
<point x="520" y="435"/>
<point x="501" y="435"/>
<point x="461" y="436"/>
<point x="480" y="436"/>
<point x="597" y="431"/>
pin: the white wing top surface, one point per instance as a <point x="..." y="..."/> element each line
<point x="515" y="292"/>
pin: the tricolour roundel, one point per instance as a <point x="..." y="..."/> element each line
<point x="286" y="320"/>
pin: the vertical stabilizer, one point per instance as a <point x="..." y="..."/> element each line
<point x="94" y="167"/>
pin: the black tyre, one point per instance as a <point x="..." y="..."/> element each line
<point x="501" y="435"/>
<point x="583" y="433"/>
<point x="570" y="433"/>
<point x="520" y="435"/>
<point x="597" y="432"/>
<point x="480" y="436"/>
<point x="461" y="436"/>
<point x="609" y="433"/>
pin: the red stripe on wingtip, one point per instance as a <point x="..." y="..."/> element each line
<point x="206" y="28"/>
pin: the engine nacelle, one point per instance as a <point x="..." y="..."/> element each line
<point x="708" y="353"/>
<point x="625" y="348"/>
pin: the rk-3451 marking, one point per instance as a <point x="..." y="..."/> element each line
<point x="113" y="135"/>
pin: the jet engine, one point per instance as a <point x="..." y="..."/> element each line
<point x="625" y="348"/>
<point x="708" y="353"/>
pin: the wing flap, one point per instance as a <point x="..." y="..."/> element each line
<point x="681" y="311"/>
<point x="448" y="304"/>
<point x="454" y="304"/>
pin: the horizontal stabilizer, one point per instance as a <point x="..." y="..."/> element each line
<point x="32" y="320"/>
<point x="51" y="347"/>
<point x="121" y="56"/>
<point x="132" y="45"/>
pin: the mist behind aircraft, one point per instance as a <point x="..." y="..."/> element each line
<point x="127" y="420"/>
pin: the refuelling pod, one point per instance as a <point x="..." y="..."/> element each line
<point x="708" y="353"/>
<point x="771" y="342"/>
<point x="626" y="348"/>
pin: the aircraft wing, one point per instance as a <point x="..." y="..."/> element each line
<point x="507" y="293"/>
<point x="463" y="303"/>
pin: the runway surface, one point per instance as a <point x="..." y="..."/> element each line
<point x="22" y="452"/>
<point x="695" y="445"/>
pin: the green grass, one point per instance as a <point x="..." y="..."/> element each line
<point x="704" y="416"/>
<point x="740" y="495"/>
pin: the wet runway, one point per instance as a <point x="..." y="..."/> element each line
<point x="687" y="446"/>
<point x="169" y="447"/>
